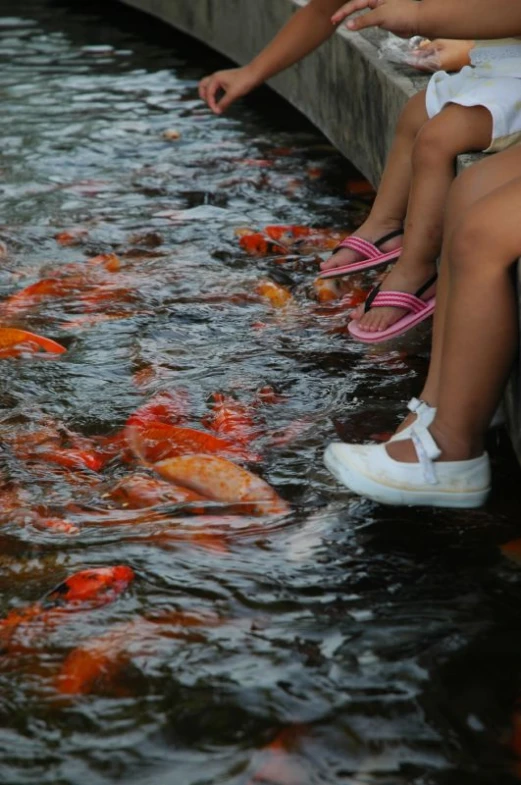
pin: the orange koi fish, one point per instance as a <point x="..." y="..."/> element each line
<point x="138" y="491"/>
<point x="359" y="187"/>
<point x="278" y="295"/>
<point x="84" y="590"/>
<point x="56" y="525"/>
<point x="109" y="261"/>
<point x="224" y="481"/>
<point x="257" y="244"/>
<point x="512" y="550"/>
<point x="14" y="342"/>
<point x="168" y="407"/>
<point x="232" y="418"/>
<point x="279" y="765"/>
<point x="267" y="395"/>
<point x="158" y="441"/>
<point x="71" y="237"/>
<point x="44" y="289"/>
<point x="98" y="662"/>
<point x="70" y="458"/>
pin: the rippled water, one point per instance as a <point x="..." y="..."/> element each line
<point x="342" y="643"/>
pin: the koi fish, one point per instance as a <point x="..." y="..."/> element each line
<point x="512" y="550"/>
<point x="44" y="289"/>
<point x="278" y="295"/>
<point x="224" y="481"/>
<point x="71" y="237"/>
<point x="110" y="261"/>
<point x="159" y="441"/>
<point x="326" y="290"/>
<point x="165" y="407"/>
<point x="267" y="395"/>
<point x="81" y="591"/>
<point x="279" y="765"/>
<point x="57" y="525"/>
<point x="139" y="491"/>
<point x="359" y="187"/>
<point x="232" y="418"/>
<point x="257" y="244"/>
<point x="290" y="433"/>
<point x="70" y="458"/>
<point x="98" y="662"/>
<point x="14" y="342"/>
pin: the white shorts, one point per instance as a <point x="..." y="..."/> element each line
<point x="500" y="94"/>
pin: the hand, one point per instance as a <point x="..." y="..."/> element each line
<point x="400" y="17"/>
<point x="234" y="83"/>
<point x="443" y="54"/>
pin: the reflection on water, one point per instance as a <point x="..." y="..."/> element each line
<point x="341" y="642"/>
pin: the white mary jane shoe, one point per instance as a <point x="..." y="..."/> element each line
<point x="370" y="471"/>
<point x="425" y="414"/>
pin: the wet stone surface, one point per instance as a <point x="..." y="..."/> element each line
<point x="341" y="642"/>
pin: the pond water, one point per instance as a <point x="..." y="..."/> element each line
<point x="340" y="642"/>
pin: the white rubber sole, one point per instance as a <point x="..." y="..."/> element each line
<point x="435" y="497"/>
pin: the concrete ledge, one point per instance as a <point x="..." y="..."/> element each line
<point x="352" y="95"/>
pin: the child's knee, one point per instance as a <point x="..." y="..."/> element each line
<point x="433" y="146"/>
<point x="413" y="116"/>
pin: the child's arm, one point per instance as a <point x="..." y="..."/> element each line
<point x="437" y="18"/>
<point x="303" y="33"/>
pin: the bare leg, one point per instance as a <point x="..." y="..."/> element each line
<point x="390" y="206"/>
<point x="480" y="336"/>
<point x="455" y="130"/>
<point x="473" y="185"/>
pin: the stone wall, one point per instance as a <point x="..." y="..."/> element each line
<point x="344" y="88"/>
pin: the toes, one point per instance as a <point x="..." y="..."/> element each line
<point x="339" y="258"/>
<point x="379" y="319"/>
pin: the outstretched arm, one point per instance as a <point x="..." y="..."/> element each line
<point x="305" y="31"/>
<point x="436" y="18"/>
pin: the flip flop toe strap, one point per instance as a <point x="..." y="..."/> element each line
<point x="427" y="451"/>
<point x="369" y="250"/>
<point x="408" y="302"/>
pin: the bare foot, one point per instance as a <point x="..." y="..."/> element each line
<point x="400" y="280"/>
<point x="368" y="231"/>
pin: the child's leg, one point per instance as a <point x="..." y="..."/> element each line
<point x="390" y="206"/>
<point x="455" y="130"/>
<point x="480" y="332"/>
<point x="474" y="184"/>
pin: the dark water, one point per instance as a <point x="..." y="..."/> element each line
<point x="347" y="643"/>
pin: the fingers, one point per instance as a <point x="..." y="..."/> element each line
<point x="371" y="19"/>
<point x="212" y="88"/>
<point x="203" y="84"/>
<point x="350" y="8"/>
<point x="227" y="99"/>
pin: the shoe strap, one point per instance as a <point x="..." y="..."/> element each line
<point x="427" y="451"/>
<point x="369" y="250"/>
<point x="409" y="302"/>
<point x="415" y="405"/>
<point x="420" y="408"/>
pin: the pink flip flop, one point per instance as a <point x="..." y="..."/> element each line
<point x="373" y="256"/>
<point x="417" y="311"/>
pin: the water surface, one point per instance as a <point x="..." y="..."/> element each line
<point x="365" y="644"/>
